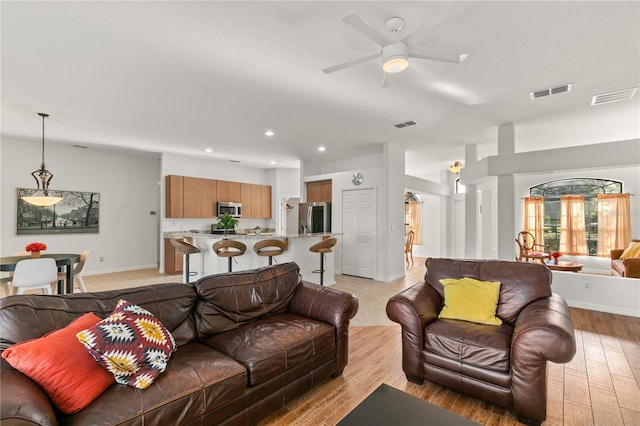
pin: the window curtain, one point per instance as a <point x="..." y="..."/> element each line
<point x="415" y="220"/>
<point x="573" y="235"/>
<point x="614" y="223"/>
<point x="534" y="218"/>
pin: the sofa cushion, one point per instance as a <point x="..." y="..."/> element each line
<point x="230" y="300"/>
<point x="618" y="268"/>
<point x="61" y="366"/>
<point x="269" y="346"/>
<point x="131" y="344"/>
<point x="198" y="379"/>
<point x="471" y="300"/>
<point x="481" y="345"/>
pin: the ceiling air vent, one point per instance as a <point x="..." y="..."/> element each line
<point x="406" y="124"/>
<point x="620" y="95"/>
<point x="551" y="91"/>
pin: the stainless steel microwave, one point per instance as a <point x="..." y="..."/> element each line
<point x="234" y="209"/>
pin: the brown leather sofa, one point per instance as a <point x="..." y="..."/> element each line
<point x="248" y="343"/>
<point x="505" y="364"/>
<point x="629" y="267"/>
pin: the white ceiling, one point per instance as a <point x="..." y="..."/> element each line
<point x="179" y="77"/>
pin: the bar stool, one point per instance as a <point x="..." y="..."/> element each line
<point x="270" y="248"/>
<point x="229" y="249"/>
<point x="323" y="247"/>
<point x="187" y="249"/>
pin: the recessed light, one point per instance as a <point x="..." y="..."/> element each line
<point x="322" y="148"/>
<point x="272" y="162"/>
<point x="269" y="133"/>
<point x="208" y="150"/>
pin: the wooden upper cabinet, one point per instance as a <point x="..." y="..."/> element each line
<point x="208" y="207"/>
<point x="246" y="194"/>
<point x="256" y="201"/>
<point x="191" y="196"/>
<point x="319" y="191"/>
<point x="228" y="191"/>
<point x="265" y="200"/>
<point x="174" y="196"/>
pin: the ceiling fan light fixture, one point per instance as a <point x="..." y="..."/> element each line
<point x="395" y="57"/>
<point x="457" y="166"/>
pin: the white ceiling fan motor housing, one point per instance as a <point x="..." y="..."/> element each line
<point x="395" y="57"/>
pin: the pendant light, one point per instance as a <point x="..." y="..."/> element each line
<point x="41" y="196"/>
<point x="457" y="166"/>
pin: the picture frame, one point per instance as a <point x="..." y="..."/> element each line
<point x="77" y="213"/>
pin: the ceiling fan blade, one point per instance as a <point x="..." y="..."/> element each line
<point x="350" y="63"/>
<point x="356" y="22"/>
<point x="387" y="79"/>
<point x="435" y="20"/>
<point x="454" y="58"/>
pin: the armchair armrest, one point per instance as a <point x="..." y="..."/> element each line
<point x="543" y="332"/>
<point x="632" y="267"/>
<point x="413" y="309"/>
<point x="616" y="253"/>
<point x="331" y="306"/>
<point x="23" y="401"/>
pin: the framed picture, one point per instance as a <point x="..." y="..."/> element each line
<point x="77" y="213"/>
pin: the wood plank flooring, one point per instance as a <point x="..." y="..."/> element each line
<point x="600" y="386"/>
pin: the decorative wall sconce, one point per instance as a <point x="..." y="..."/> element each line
<point x="457" y="166"/>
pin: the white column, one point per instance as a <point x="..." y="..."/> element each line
<point x="470" y="208"/>
<point x="506" y="196"/>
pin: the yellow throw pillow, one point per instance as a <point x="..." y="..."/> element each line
<point x="472" y="300"/>
<point x="633" y="250"/>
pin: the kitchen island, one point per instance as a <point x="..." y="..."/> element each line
<point x="208" y="263"/>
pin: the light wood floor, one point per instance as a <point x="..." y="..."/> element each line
<point x="601" y="386"/>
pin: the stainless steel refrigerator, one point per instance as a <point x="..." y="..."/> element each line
<point x="314" y="218"/>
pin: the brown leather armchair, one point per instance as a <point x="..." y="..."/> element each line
<point x="505" y="364"/>
<point x="629" y="267"/>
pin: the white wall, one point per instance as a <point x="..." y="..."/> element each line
<point x="129" y="192"/>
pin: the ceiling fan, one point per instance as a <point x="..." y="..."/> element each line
<point x="395" y="53"/>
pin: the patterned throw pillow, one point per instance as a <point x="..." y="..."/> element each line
<point x="131" y="344"/>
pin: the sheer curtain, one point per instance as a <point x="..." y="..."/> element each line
<point x="534" y="217"/>
<point x="573" y="235"/>
<point x="614" y="222"/>
<point x="415" y="220"/>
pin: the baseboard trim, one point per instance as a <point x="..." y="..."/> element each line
<point x="602" y="308"/>
<point x="114" y="270"/>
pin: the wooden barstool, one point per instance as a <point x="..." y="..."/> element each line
<point x="229" y="249"/>
<point x="270" y="248"/>
<point x="187" y="249"/>
<point x="323" y="247"/>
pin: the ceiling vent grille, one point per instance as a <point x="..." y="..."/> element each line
<point x="552" y="91"/>
<point x="620" y="95"/>
<point x="406" y="124"/>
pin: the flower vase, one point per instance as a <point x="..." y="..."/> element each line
<point x="555" y="261"/>
<point x="36" y="254"/>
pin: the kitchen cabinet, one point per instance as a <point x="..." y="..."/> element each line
<point x="265" y="200"/>
<point x="319" y="191"/>
<point x="174" y="206"/>
<point x="191" y="197"/>
<point x="228" y="191"/>
<point x="246" y="198"/>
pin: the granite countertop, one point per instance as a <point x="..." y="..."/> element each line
<point x="239" y="236"/>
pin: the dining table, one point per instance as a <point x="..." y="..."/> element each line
<point x="63" y="261"/>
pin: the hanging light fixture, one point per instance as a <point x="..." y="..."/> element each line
<point x="41" y="196"/>
<point x="457" y="166"/>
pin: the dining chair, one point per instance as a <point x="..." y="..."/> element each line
<point x="77" y="272"/>
<point x="32" y="274"/>
<point x="529" y="249"/>
<point x="408" y="248"/>
<point x="5" y="282"/>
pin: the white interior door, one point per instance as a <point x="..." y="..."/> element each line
<point x="358" y="226"/>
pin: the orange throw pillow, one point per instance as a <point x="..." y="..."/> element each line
<point x="61" y="366"/>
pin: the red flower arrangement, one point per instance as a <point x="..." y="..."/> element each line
<point x="556" y="255"/>
<point x="36" y="246"/>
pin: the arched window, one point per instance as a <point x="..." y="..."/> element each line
<point x="590" y="188"/>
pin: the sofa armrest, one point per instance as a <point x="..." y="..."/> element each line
<point x="23" y="401"/>
<point x="414" y="308"/>
<point x="631" y="267"/>
<point x="543" y="332"/>
<point x="331" y="306"/>
<point x="616" y="253"/>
